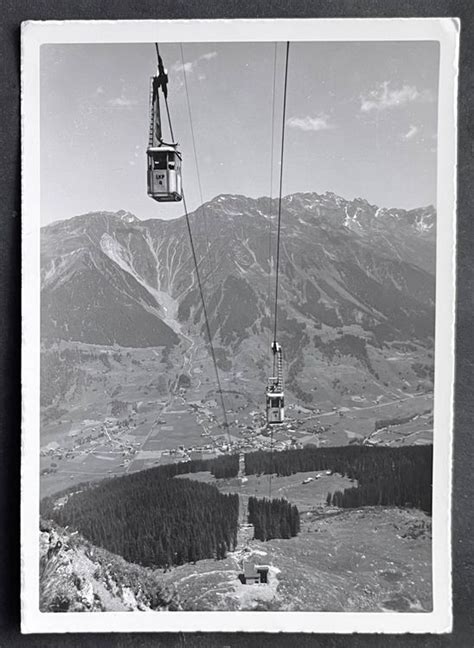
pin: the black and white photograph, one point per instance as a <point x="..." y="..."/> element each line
<point x="238" y="316"/>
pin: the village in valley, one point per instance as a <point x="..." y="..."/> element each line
<point x="112" y="427"/>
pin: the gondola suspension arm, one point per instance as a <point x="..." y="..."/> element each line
<point x="164" y="159"/>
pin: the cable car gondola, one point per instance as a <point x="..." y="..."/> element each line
<point x="163" y="160"/>
<point x="275" y="396"/>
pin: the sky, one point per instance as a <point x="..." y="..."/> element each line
<point x="361" y="121"/>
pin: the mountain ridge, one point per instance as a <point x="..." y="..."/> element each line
<point x="128" y="216"/>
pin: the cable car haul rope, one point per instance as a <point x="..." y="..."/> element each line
<point x="165" y="185"/>
<point x="275" y="396"/>
<point x="275" y="402"/>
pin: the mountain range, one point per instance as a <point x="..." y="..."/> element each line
<point x="353" y="279"/>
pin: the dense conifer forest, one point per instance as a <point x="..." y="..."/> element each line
<point x="151" y="519"/>
<point x="275" y="518"/>
<point x="222" y="467"/>
<point x="154" y="520"/>
<point x="386" y="476"/>
<point x="225" y="466"/>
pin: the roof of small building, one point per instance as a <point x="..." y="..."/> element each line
<point x="250" y="571"/>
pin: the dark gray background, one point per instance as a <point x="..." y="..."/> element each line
<point x="12" y="12"/>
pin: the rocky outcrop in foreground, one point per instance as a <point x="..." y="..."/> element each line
<point x="76" y="576"/>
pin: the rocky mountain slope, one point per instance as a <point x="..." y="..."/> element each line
<point x="354" y="279"/>
<point x="76" y="576"/>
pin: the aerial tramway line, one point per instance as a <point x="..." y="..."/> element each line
<point x="275" y="397"/>
<point x="164" y="184"/>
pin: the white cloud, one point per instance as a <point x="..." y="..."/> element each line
<point x="385" y="97"/>
<point x="318" y="123"/>
<point x="208" y="56"/>
<point x="187" y="66"/>
<point x="190" y="66"/>
<point x="410" y="134"/>
<point x="122" y="102"/>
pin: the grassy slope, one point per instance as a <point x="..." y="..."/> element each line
<point x="361" y="561"/>
<point x="371" y="559"/>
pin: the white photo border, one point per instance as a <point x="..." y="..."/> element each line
<point x="36" y="33"/>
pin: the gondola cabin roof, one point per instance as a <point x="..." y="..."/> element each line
<point x="163" y="149"/>
<point x="275" y="394"/>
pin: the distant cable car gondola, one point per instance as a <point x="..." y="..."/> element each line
<point x="275" y="395"/>
<point x="164" y="160"/>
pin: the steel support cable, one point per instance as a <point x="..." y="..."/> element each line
<point x="212" y="268"/>
<point x="280" y="191"/>
<point x="270" y="210"/>
<point x="278" y="238"/>
<point x="208" y="246"/>
<point x="198" y="277"/>
<point x="208" y="328"/>
<point x="169" y="119"/>
<point x="270" y="213"/>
